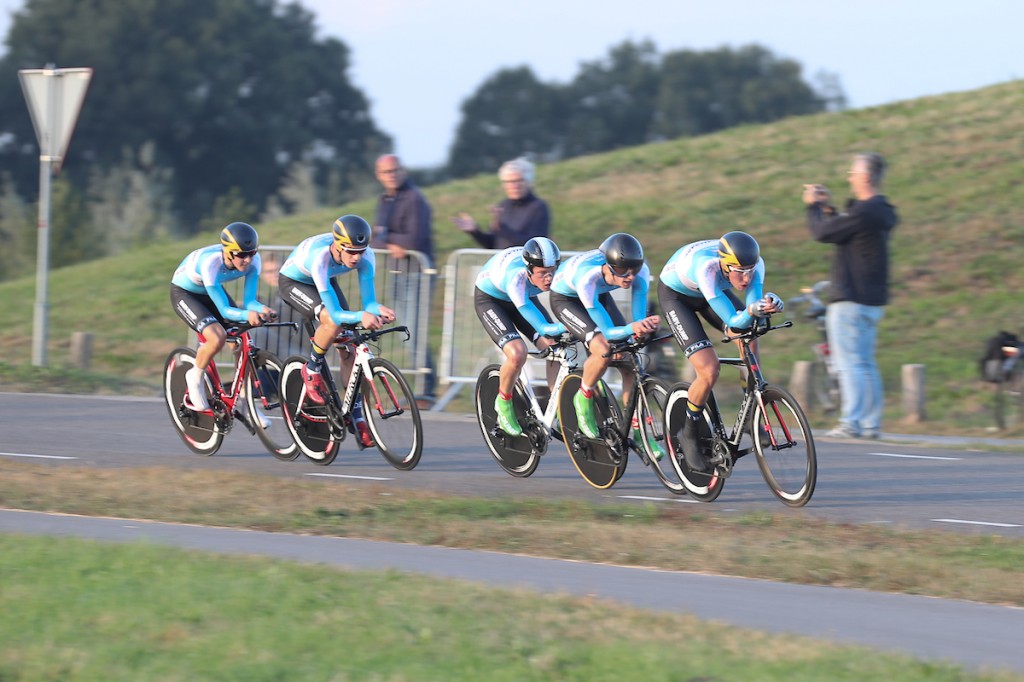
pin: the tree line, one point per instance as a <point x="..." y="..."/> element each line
<point x="201" y="112"/>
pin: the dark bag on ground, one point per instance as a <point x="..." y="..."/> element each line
<point x="992" y="365"/>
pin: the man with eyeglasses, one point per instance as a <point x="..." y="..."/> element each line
<point x="707" y="278"/>
<point x="308" y="283"/>
<point x="200" y="300"/>
<point x="581" y="299"/>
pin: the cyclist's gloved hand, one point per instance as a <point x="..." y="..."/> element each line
<point x="553" y="329"/>
<point x="758" y="308"/>
<point x="774" y="304"/>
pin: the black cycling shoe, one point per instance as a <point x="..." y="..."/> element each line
<point x="690" y="441"/>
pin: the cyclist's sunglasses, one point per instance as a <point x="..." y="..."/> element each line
<point x="243" y="254"/>
<point x="743" y="271"/>
<point x="624" y="272"/>
<point x="347" y="249"/>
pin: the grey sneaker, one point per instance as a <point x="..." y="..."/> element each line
<point x="842" y="432"/>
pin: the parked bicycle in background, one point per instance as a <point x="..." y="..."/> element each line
<point x="824" y="378"/>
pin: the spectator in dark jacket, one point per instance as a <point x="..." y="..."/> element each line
<point x="860" y="289"/>
<point x="402" y="224"/>
<point x="517" y="219"/>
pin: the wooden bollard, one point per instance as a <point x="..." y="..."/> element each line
<point x="801" y="382"/>
<point x="913" y="393"/>
<point x="81" y="350"/>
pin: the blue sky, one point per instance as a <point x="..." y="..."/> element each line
<point x="417" y="60"/>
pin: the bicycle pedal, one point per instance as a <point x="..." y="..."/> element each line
<point x="245" y="422"/>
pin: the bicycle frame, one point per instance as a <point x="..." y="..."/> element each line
<point x="560" y="354"/>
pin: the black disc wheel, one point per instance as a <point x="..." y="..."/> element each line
<point x="392" y="415"/>
<point x="517" y="455"/>
<point x="702" y="486"/>
<point x="308" y="423"/>
<point x="600" y="461"/>
<point x="785" y="447"/>
<point x="201" y="432"/>
<point x="263" y="398"/>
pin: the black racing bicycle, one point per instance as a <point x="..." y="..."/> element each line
<point x="769" y="415"/>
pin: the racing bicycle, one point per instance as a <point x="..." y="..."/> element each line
<point x="388" y="403"/>
<point x="601" y="461"/>
<point x="776" y="424"/>
<point x="256" y="371"/>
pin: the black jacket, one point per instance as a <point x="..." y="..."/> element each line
<point x="516" y="223"/>
<point x="860" y="265"/>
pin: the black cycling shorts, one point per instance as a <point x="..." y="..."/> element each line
<point x="198" y="311"/>
<point x="681" y="315"/>
<point x="501" y="319"/>
<point x="305" y="298"/>
<point x="571" y="312"/>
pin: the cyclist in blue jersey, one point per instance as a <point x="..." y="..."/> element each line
<point x="199" y="298"/>
<point x="581" y="299"/>
<point x="708" y="277"/>
<point x="506" y="303"/>
<point x="308" y="283"/>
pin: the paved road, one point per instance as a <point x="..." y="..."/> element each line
<point x="922" y="483"/>
<point x="918" y="483"/>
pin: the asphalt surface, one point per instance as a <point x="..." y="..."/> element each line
<point x="912" y="481"/>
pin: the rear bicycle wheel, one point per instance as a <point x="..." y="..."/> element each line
<point x="202" y="433"/>
<point x="1008" y="401"/>
<point x="515" y="454"/>
<point x="392" y="415"/>
<point x="785" y="452"/>
<point x="650" y="408"/>
<point x="701" y="486"/>
<point x="307" y="422"/>
<point x="599" y="461"/>
<point x="262" y="392"/>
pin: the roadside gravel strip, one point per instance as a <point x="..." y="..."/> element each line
<point x="965" y="633"/>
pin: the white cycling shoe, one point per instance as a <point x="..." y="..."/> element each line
<point x="196" y="389"/>
<point x="242" y="407"/>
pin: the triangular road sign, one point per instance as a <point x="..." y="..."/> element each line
<point x="55" y="99"/>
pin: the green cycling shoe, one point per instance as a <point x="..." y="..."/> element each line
<point x="507" y="421"/>
<point x="585" y="415"/>
<point x="653" y="447"/>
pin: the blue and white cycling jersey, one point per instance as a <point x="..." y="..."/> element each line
<point x="203" y="272"/>
<point x="695" y="270"/>
<point x="581" y="276"/>
<point x="504" y="277"/>
<point x="312" y="263"/>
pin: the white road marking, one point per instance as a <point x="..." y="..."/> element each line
<point x="893" y="454"/>
<point x="658" y="499"/>
<point x="23" y="454"/>
<point x="979" y="523"/>
<point x="363" y="478"/>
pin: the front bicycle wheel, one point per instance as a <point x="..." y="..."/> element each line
<point x="202" y="433"/>
<point x="392" y="415"/>
<point x="701" y="486"/>
<point x="308" y="423"/>
<point x="650" y="408"/>
<point x="517" y="455"/>
<point x="600" y="461"/>
<point x="1008" y="401"/>
<point x="263" y="395"/>
<point x="784" y="447"/>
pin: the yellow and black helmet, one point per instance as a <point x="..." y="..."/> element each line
<point x="738" y="250"/>
<point x="351" y="232"/>
<point x="239" y="238"/>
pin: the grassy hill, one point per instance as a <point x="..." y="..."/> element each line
<point x="956" y="178"/>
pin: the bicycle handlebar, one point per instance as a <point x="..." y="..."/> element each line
<point x="358" y="335"/>
<point x="239" y="328"/>
<point x="634" y="344"/>
<point x="760" y="328"/>
<point x="563" y="340"/>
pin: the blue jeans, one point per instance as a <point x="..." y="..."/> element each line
<point x="852" y="335"/>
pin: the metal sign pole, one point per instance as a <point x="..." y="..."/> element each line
<point x="42" y="263"/>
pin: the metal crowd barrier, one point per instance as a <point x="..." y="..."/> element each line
<point x="404" y="285"/>
<point x="465" y="347"/>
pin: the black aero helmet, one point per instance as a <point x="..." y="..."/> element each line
<point x="738" y="250"/>
<point x="622" y="251"/>
<point x="239" y="237"/>
<point x="541" y="252"/>
<point x="351" y="232"/>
